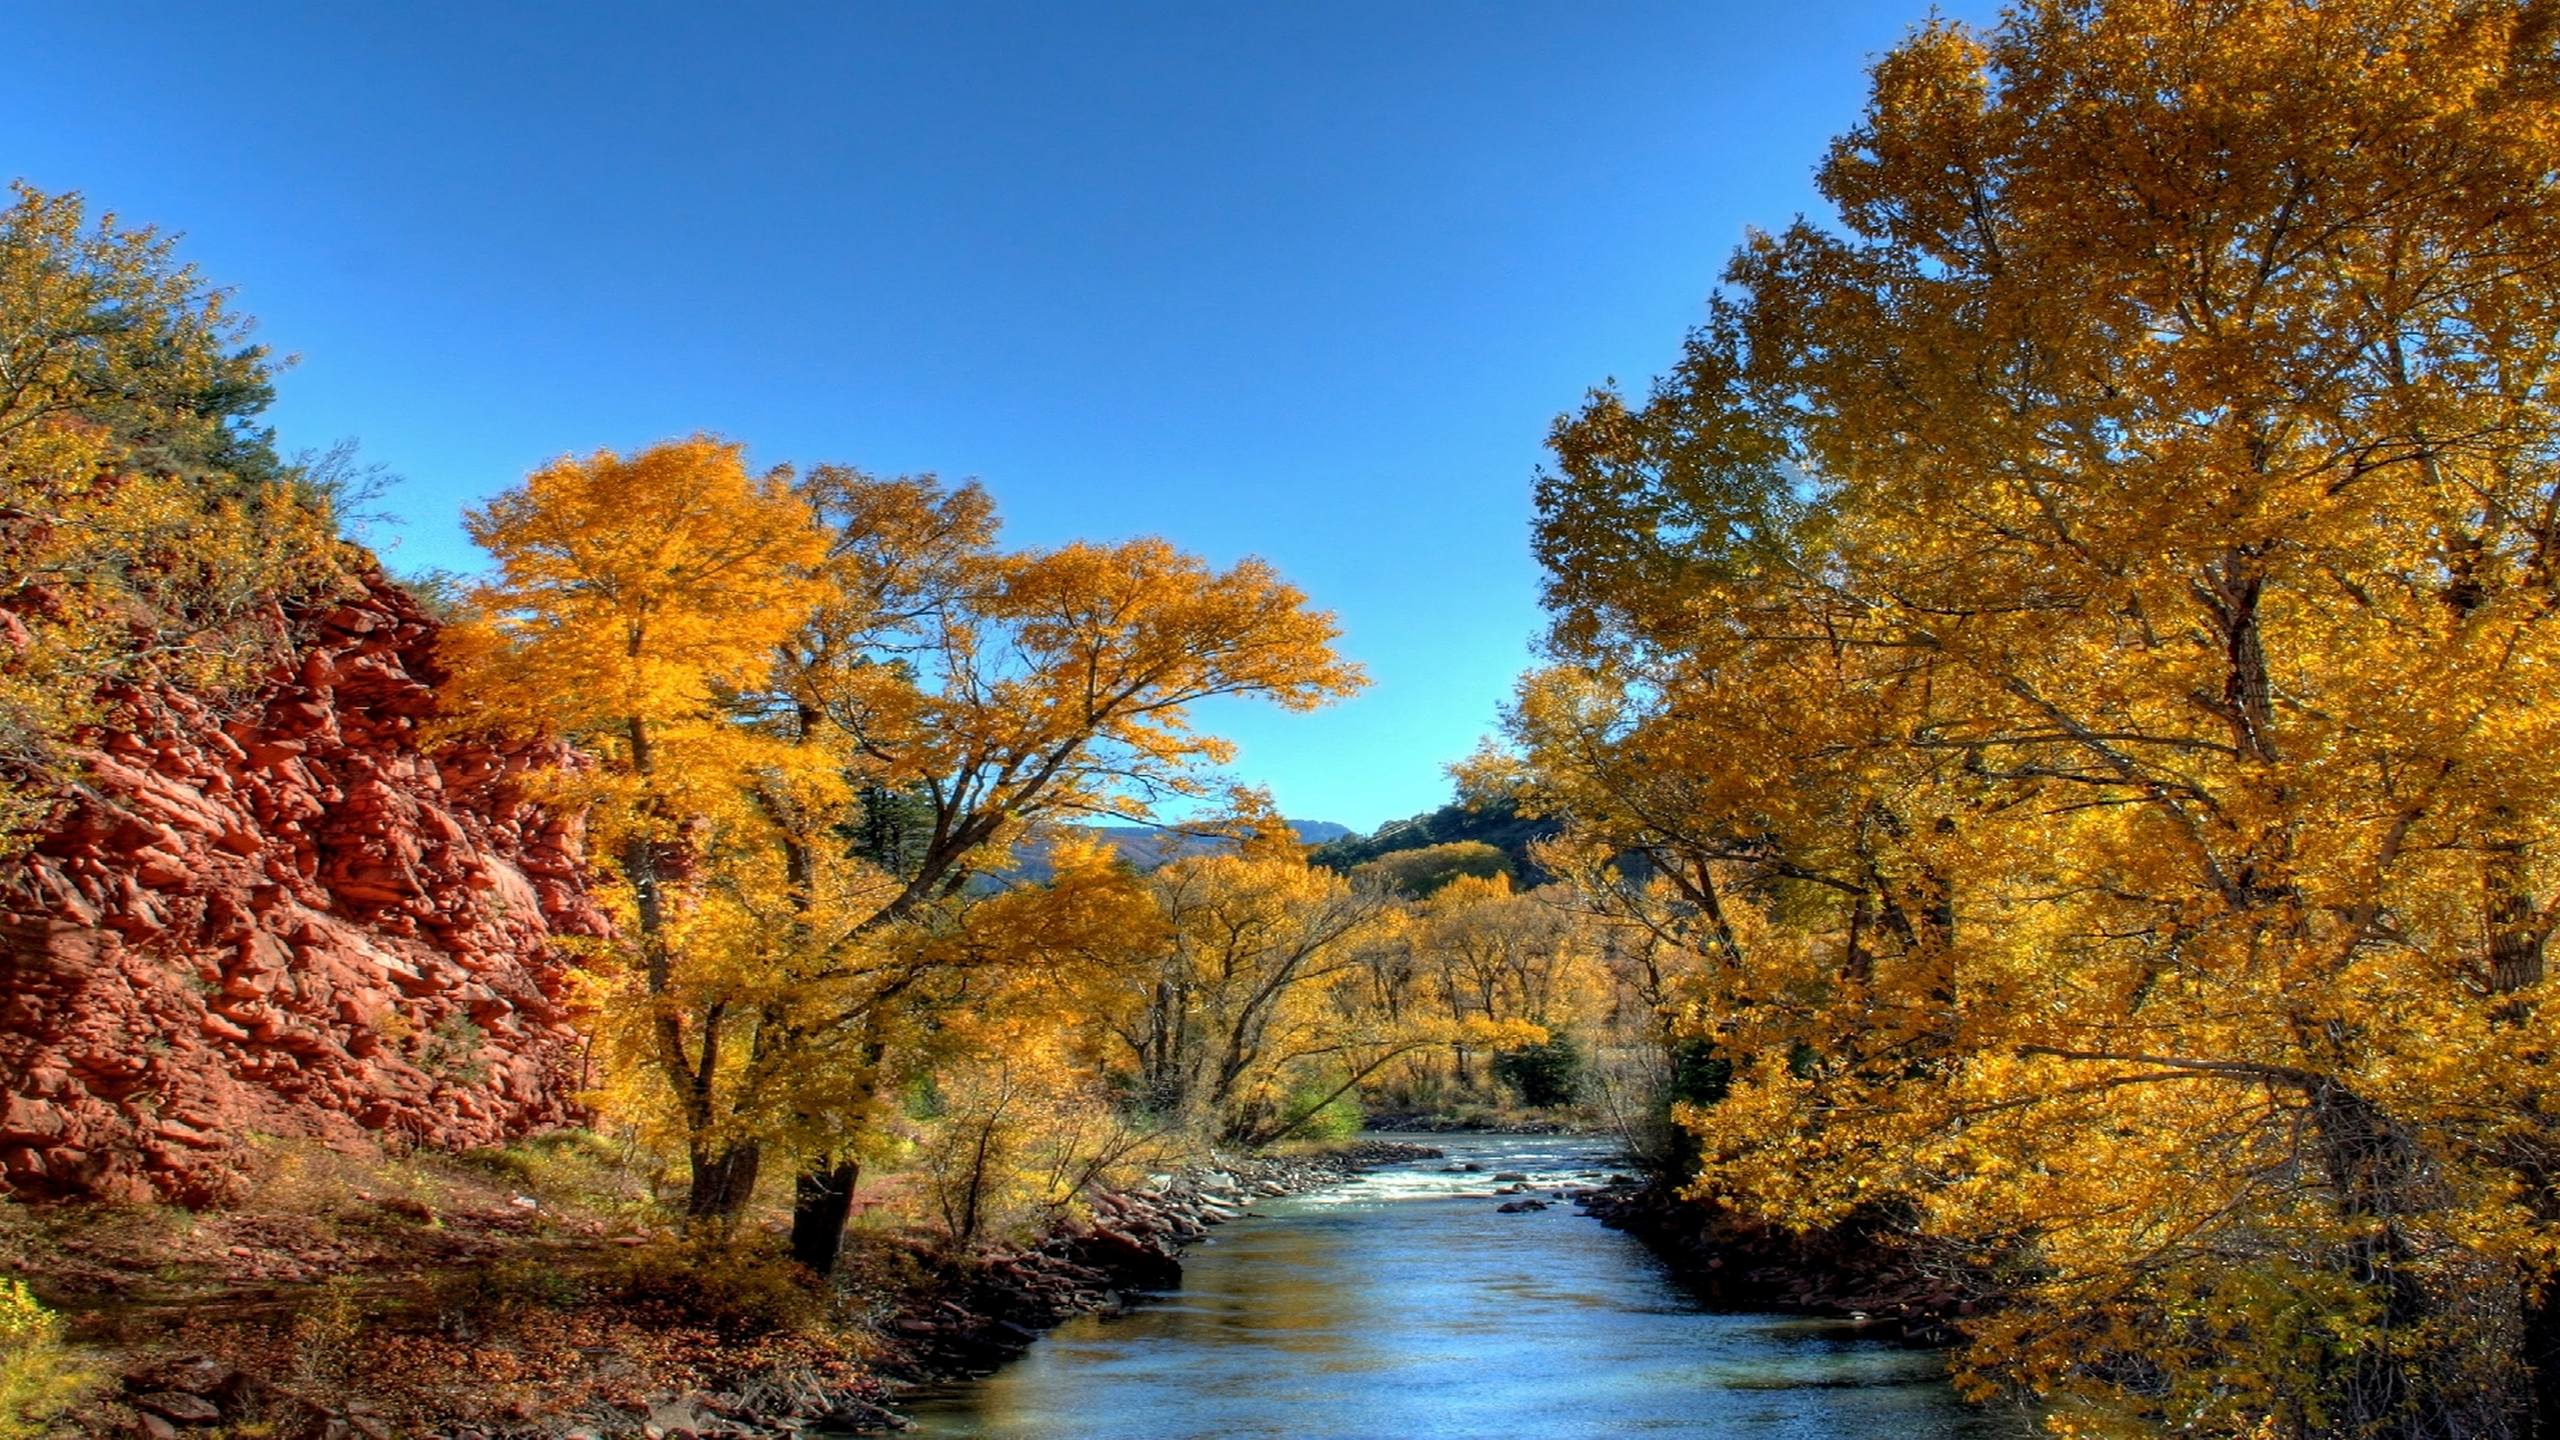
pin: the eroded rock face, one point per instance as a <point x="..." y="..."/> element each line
<point x="283" y="917"/>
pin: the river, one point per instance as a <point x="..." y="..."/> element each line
<point x="1403" y="1304"/>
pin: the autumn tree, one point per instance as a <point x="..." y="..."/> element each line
<point x="826" y="706"/>
<point x="995" y="690"/>
<point x="1502" y="968"/>
<point x="149" y="532"/>
<point x="632" y="596"/>
<point x="1231" y="998"/>
<point x="1023" y="1121"/>
<point x="1416" y="873"/>
<point x="1277" y="988"/>
<point x="2073" y="639"/>
<point x="1501" y="954"/>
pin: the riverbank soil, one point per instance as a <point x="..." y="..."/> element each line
<point x="537" y="1291"/>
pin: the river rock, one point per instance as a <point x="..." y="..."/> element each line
<point x="179" y="1406"/>
<point x="190" y="1375"/>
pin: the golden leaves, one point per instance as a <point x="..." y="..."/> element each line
<point x="636" y="589"/>
<point x="823" y="707"/>
<point x="2122" y="806"/>
<point x="143" y="539"/>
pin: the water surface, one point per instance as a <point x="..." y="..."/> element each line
<point x="1404" y="1304"/>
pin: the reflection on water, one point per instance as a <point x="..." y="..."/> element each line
<point x="1403" y="1304"/>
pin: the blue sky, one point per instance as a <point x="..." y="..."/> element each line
<point x="1300" y="280"/>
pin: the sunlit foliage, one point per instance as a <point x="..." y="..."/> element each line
<point x="148" y="532"/>
<point x="1231" y="1008"/>
<point x="2071" y="649"/>
<point x="822" y="706"/>
<point x="1417" y="873"/>
<point x="39" y="1379"/>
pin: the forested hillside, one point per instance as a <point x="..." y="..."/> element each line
<point x="1494" y="821"/>
<point x="1147" y="846"/>
<point x="242" y="897"/>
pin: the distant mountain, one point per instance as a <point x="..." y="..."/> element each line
<point x="1146" y="846"/>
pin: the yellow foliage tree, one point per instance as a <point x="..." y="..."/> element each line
<point x="2077" y="640"/>
<point x="769" y="667"/>
<point x="1500" y="970"/>
<point x="981" y="692"/>
<point x="1024" y="1123"/>
<point x="633" y="596"/>
<point x="1263" y="993"/>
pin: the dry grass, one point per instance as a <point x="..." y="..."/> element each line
<point x="518" y="1291"/>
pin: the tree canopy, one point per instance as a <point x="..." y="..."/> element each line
<point x="769" y="669"/>
<point x="2076" y="638"/>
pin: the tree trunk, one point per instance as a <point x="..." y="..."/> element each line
<point x="723" y="1182"/>
<point x="2518" y="934"/>
<point x="2542" y="1360"/>
<point x="966" y="1227"/>
<point x="822" y="1190"/>
<point x="2373" y="1166"/>
<point x="821" y="1203"/>
<point x="2517" y="929"/>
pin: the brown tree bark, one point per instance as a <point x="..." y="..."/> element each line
<point x="821" y="1204"/>
<point x="724" y="1180"/>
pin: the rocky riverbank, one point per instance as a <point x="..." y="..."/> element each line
<point x="1858" y="1272"/>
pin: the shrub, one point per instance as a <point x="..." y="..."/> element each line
<point x="328" y="1337"/>
<point x="729" y="1283"/>
<point x="38" y="1377"/>
<point x="1336" y="1119"/>
<point x="570" y="1166"/>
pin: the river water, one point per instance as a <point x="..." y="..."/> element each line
<point x="1404" y="1305"/>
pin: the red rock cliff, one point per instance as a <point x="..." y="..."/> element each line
<point x="283" y="917"/>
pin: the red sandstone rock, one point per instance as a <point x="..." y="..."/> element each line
<point x="278" y="915"/>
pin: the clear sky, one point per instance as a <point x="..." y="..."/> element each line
<point x="1293" y="279"/>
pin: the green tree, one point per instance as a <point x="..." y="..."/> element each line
<point x="148" y="529"/>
